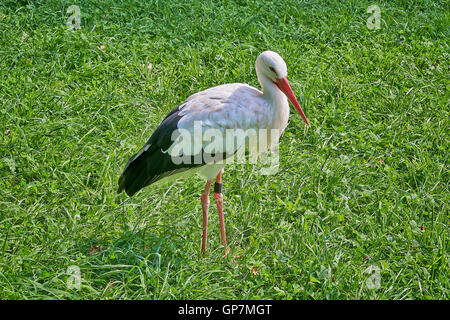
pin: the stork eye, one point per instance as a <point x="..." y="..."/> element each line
<point x="272" y="69"/>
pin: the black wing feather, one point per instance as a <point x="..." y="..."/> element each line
<point x="151" y="165"/>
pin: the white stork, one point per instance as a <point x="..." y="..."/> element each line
<point x="228" y="106"/>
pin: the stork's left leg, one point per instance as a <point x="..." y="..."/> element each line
<point x="205" y="206"/>
<point x="219" y="202"/>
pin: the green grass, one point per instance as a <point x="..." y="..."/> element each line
<point x="366" y="186"/>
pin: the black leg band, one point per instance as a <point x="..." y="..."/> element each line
<point x="218" y="187"/>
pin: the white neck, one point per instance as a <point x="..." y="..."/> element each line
<point x="276" y="99"/>
<point x="270" y="90"/>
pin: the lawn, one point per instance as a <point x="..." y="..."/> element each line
<point x="358" y="209"/>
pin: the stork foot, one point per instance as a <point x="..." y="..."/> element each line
<point x="226" y="252"/>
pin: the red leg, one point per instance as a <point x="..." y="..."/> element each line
<point x="219" y="202"/>
<point x="205" y="206"/>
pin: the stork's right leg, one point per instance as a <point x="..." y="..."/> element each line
<point x="205" y="206"/>
<point x="219" y="202"/>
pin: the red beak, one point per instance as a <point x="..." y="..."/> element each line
<point x="284" y="86"/>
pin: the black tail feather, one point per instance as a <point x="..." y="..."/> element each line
<point x="151" y="164"/>
<point x="147" y="167"/>
<point x="136" y="174"/>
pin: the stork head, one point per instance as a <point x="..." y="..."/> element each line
<point x="271" y="65"/>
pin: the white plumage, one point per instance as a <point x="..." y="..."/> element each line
<point x="228" y="107"/>
<point x="188" y="131"/>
